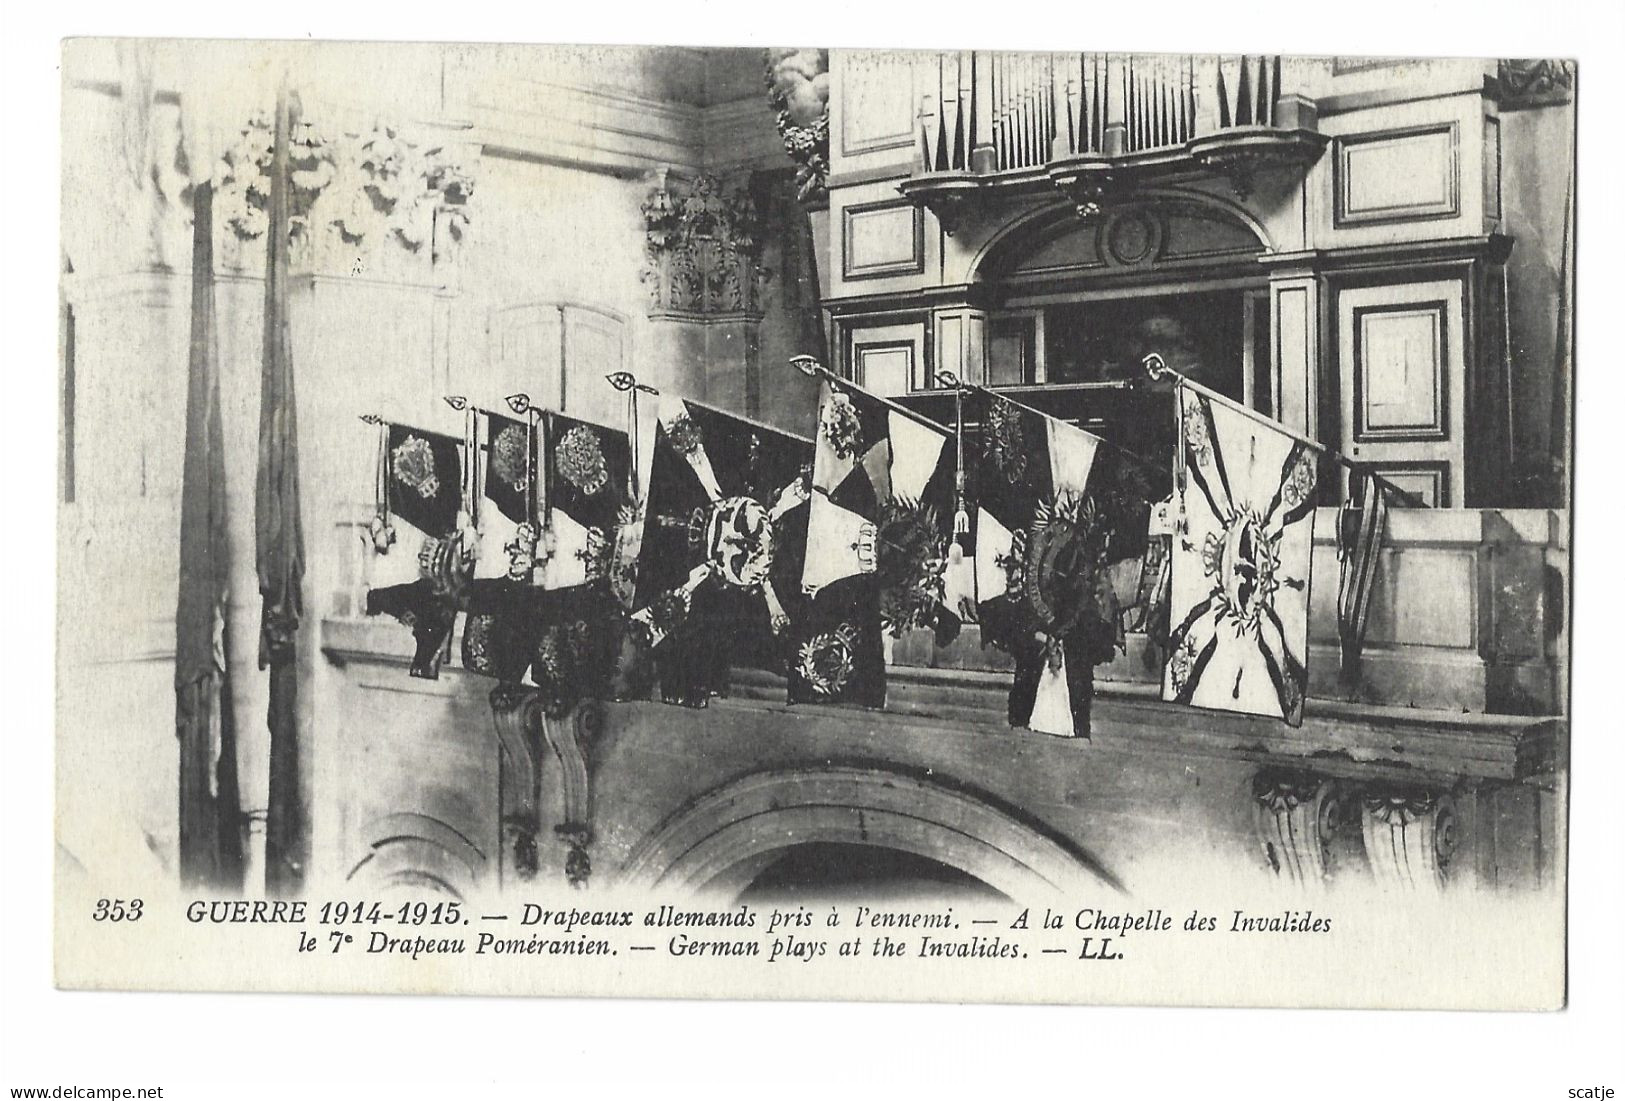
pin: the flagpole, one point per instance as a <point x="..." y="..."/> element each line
<point x="948" y="378"/>
<point x="752" y="421"/>
<point x="810" y="367"/>
<point x="279" y="539"/>
<point x="1157" y="368"/>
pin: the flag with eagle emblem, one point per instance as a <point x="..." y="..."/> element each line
<point x="542" y="607"/>
<point x="423" y="554"/>
<point x="1047" y="525"/>
<point x="720" y="562"/>
<point x="879" y="525"/>
<point x="1240" y="588"/>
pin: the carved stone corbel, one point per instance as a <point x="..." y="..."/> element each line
<point x="517" y="713"/>
<point x="1410" y="836"/>
<point x="1298" y="816"/>
<point x="573" y="737"/>
<point x="1090" y="189"/>
<point x="1535" y="82"/>
<point x="954" y="209"/>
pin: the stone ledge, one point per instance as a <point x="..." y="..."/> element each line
<point x="1337" y="738"/>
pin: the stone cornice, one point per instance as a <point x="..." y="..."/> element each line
<point x="1354" y="740"/>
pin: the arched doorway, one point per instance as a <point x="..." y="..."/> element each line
<point x="727" y="840"/>
<point x="1066" y="309"/>
<point x="1082" y="301"/>
<point x="412" y="855"/>
<point x="832" y="871"/>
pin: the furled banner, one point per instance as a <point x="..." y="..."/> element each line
<point x="542" y="609"/>
<point x="879" y="526"/>
<point x="422" y="556"/>
<point x="1240" y="592"/>
<point x="1044" y="537"/>
<point x="1362" y="524"/>
<point x="720" y="564"/>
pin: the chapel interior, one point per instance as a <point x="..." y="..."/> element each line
<point x="1376" y="253"/>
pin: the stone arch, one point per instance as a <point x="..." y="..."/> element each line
<point x="1235" y="231"/>
<point x="721" y="841"/>
<point x="418" y="854"/>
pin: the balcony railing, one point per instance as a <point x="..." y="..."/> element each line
<point x="1092" y="122"/>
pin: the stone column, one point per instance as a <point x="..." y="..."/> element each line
<point x="702" y="246"/>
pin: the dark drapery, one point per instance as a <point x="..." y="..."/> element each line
<point x="210" y="817"/>
<point x="279" y="538"/>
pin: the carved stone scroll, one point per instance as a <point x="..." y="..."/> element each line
<point x="518" y="715"/>
<point x="572" y="737"/>
<point x="1298" y="816"/>
<point x="1410" y="836"/>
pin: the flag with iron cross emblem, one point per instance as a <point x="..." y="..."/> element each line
<point x="725" y="531"/>
<point x="1240" y="592"/>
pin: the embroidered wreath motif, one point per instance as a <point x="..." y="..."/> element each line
<point x="842" y="427"/>
<point x="1243" y="562"/>
<point x="1197" y="440"/>
<point x="508" y="457"/>
<point x="685" y="435"/>
<point x="581" y="460"/>
<point x="1065" y="551"/>
<point x="1300" y="483"/>
<point x="826" y="661"/>
<point x="477" y="642"/>
<point x="913" y="556"/>
<point x="1003" y="445"/>
<point x="413" y="464"/>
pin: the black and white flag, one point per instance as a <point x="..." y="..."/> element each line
<point x="1042" y="539"/>
<point x="720" y="562"/>
<point x="1240" y="593"/>
<point x="879" y="527"/>
<point x="423" y="556"/>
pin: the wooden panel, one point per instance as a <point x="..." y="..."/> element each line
<point x="1492" y="170"/>
<point x="1429" y="482"/>
<point x="888" y="359"/>
<point x="1398" y="176"/>
<point x="1447" y="616"/>
<point x="885" y="369"/>
<point x="950" y="331"/>
<point x="594" y="346"/>
<point x="1399" y="358"/>
<point x="1402" y="380"/>
<point x="528" y="346"/>
<point x="879" y="239"/>
<point x="877" y="103"/>
<point x="1294" y="340"/>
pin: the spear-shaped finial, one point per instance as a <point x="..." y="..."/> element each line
<point x="371" y="418"/>
<point x="519" y="403"/>
<point x="1155" y="365"/>
<point x="626" y="380"/>
<point x="807" y="365"/>
<point x="457" y="402"/>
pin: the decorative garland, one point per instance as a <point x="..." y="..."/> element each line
<point x="802" y="74"/>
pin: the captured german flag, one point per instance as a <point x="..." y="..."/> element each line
<point x="1240" y="603"/>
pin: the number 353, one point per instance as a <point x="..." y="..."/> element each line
<point x="117" y="909"/>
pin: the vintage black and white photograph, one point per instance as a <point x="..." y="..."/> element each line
<point x="811" y="522"/>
